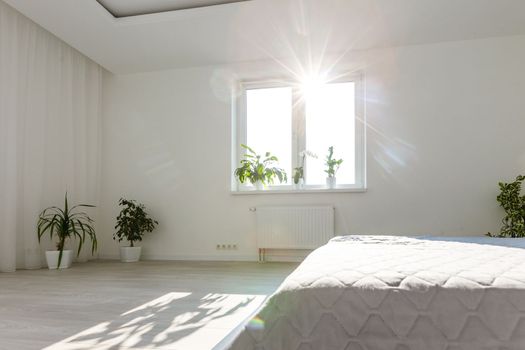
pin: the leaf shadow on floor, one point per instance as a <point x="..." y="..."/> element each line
<point x="160" y="323"/>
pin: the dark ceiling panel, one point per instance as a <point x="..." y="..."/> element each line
<point x="128" y="8"/>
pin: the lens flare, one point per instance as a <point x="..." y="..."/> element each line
<point x="256" y="324"/>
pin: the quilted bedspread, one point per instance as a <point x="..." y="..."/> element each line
<point x="397" y="293"/>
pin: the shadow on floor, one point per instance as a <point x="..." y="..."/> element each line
<point x="166" y="321"/>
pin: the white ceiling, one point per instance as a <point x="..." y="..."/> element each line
<point x="262" y="29"/>
<point x="124" y="8"/>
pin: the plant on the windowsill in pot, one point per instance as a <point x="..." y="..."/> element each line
<point x="298" y="177"/>
<point x="511" y="200"/>
<point x="298" y="172"/>
<point x="332" y="166"/>
<point x="65" y="223"/>
<point x="258" y="170"/>
<point x="132" y="223"/>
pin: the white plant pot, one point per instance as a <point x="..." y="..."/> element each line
<point x="331" y="182"/>
<point x="130" y="254"/>
<point x="299" y="185"/>
<point x="259" y="186"/>
<point x="52" y="259"/>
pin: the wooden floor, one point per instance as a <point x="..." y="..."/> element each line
<point x="146" y="305"/>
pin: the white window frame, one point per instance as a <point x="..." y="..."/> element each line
<point x="239" y="135"/>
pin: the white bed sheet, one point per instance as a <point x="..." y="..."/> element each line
<point x="398" y="293"/>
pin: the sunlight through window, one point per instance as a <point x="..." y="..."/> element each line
<point x="330" y="121"/>
<point x="293" y="119"/>
<point x="269" y="125"/>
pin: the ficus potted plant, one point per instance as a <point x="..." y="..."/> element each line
<point x="132" y="223"/>
<point x="332" y="166"/>
<point x="65" y="223"/>
<point x="259" y="170"/>
<point x="513" y="202"/>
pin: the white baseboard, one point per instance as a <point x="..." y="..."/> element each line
<point x="184" y="257"/>
<point x="198" y="257"/>
<point x="273" y="256"/>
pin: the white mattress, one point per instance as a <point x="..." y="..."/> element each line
<point x="398" y="293"/>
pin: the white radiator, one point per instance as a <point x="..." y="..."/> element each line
<point x="294" y="227"/>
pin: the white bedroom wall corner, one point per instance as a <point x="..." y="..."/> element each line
<point x="96" y="155"/>
<point x="361" y="131"/>
<point x="235" y="128"/>
<point x="50" y="109"/>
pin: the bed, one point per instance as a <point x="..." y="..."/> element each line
<point x="397" y="293"/>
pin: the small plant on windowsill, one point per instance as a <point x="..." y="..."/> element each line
<point x="332" y="168"/>
<point x="298" y="177"/>
<point x="132" y="223"/>
<point x="258" y="170"/>
<point x="511" y="200"/>
<point x="298" y="172"/>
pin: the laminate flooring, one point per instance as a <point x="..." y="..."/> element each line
<point x="103" y="305"/>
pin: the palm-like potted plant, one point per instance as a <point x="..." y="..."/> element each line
<point x="132" y="223"/>
<point x="258" y="170"/>
<point x="332" y="168"/>
<point x="65" y="223"/>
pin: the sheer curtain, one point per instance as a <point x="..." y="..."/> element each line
<point x="50" y="101"/>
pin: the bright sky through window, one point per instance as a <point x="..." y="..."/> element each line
<point x="269" y="124"/>
<point x="330" y="121"/>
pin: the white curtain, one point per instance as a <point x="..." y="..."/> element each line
<point x="50" y="101"/>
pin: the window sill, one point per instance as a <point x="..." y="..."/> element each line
<point x="302" y="191"/>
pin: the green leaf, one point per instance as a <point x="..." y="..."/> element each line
<point x="255" y="170"/>
<point x="60" y="257"/>
<point x="65" y="224"/>
<point x="133" y="221"/>
<point x="248" y="149"/>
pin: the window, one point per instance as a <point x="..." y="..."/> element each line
<point x="286" y="119"/>
<point x="269" y="125"/>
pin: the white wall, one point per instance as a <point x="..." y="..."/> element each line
<point x="446" y="123"/>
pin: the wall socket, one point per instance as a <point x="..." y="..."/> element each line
<point x="226" y="246"/>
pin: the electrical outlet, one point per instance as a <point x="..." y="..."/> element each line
<point x="225" y="246"/>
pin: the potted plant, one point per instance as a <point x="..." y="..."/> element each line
<point x="298" y="177"/>
<point x="132" y="223"/>
<point x="332" y="167"/>
<point x="260" y="171"/>
<point x="511" y="200"/>
<point x="298" y="172"/>
<point x="65" y="224"/>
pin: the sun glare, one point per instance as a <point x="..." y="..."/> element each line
<point x="311" y="84"/>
